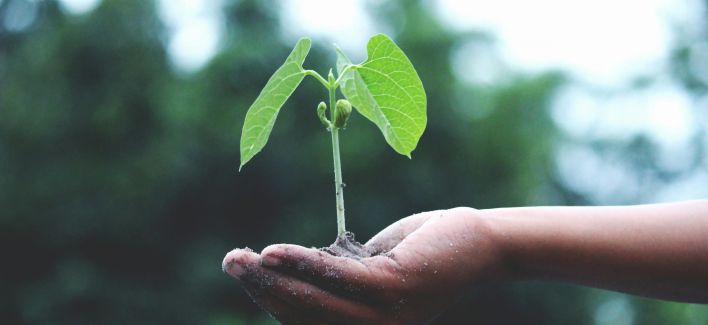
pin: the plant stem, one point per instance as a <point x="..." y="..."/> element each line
<point x="341" y="74"/>
<point x="317" y="76"/>
<point x="338" y="184"/>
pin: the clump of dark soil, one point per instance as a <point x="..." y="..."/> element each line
<point x="347" y="246"/>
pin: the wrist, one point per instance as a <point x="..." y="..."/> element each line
<point x="485" y="245"/>
<point x="502" y="231"/>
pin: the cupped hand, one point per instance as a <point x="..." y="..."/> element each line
<point x="421" y="264"/>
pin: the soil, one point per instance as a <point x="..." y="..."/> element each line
<point x="347" y="246"/>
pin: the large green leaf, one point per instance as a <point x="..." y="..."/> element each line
<point x="386" y="89"/>
<point x="261" y="116"/>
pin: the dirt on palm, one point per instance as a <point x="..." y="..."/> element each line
<point x="347" y="246"/>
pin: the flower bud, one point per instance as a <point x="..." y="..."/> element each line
<point x="341" y="113"/>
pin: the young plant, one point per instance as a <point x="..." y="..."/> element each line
<point x="385" y="89"/>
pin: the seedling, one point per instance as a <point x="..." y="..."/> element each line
<point x="385" y="89"/>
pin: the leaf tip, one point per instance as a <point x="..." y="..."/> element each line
<point x="242" y="163"/>
<point x="303" y="44"/>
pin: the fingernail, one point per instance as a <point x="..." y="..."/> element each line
<point x="234" y="269"/>
<point x="231" y="267"/>
<point x="270" y="260"/>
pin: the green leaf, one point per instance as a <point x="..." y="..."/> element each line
<point x="386" y="89"/>
<point x="261" y="116"/>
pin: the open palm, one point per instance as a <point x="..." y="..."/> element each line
<point x="421" y="264"/>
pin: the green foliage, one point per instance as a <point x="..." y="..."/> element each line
<point x="263" y="112"/>
<point x="387" y="90"/>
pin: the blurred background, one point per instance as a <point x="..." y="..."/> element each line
<point x="120" y="123"/>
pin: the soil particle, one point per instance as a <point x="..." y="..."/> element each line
<point x="347" y="246"/>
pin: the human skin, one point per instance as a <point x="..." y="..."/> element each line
<point x="429" y="259"/>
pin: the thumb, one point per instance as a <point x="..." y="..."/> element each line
<point x="391" y="236"/>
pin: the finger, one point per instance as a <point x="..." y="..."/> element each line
<point x="366" y="278"/>
<point x="390" y="236"/>
<point x="282" y="311"/>
<point x="303" y="295"/>
<point x="310" y="298"/>
<point x="234" y="261"/>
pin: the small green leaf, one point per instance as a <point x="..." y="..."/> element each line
<point x="386" y="89"/>
<point x="261" y="116"/>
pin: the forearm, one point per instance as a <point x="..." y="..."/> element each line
<point x="658" y="251"/>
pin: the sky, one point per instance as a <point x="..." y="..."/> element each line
<point x="604" y="45"/>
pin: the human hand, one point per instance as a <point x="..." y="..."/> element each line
<point x="421" y="264"/>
